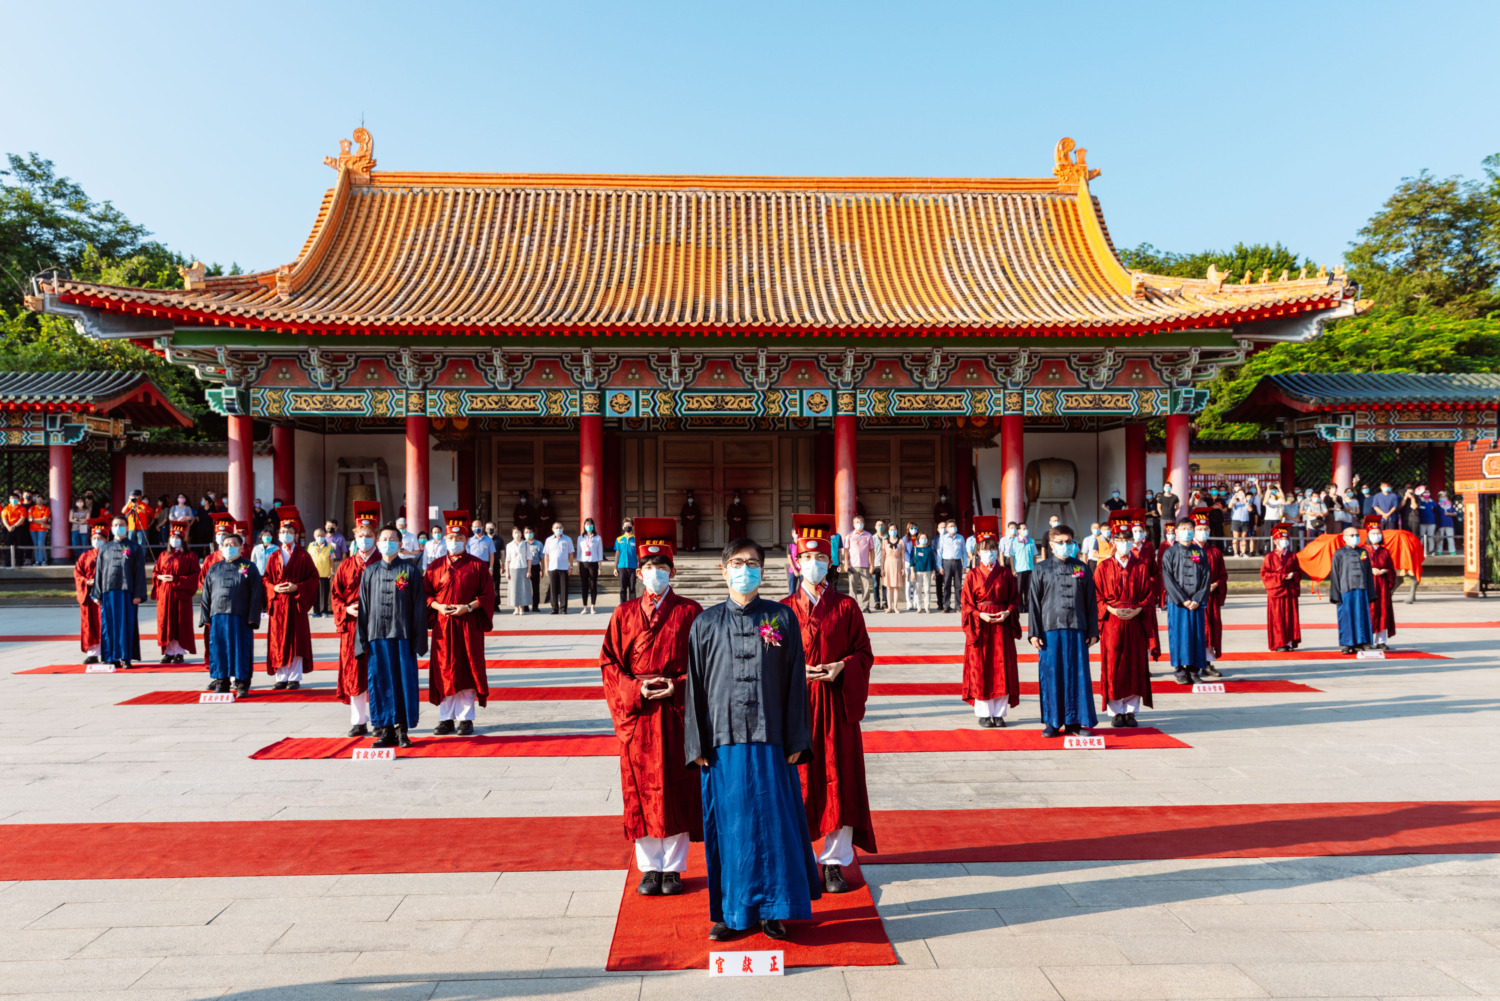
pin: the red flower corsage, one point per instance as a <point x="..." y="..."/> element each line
<point x="401" y="580"/>
<point x="769" y="634"/>
<point x="1077" y="572"/>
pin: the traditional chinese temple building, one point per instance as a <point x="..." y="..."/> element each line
<point x="619" y="340"/>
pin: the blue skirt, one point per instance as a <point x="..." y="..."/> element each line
<point x="394" y="690"/>
<point x="1187" y="635"/>
<point x="760" y="861"/>
<point x="1354" y="619"/>
<point x="119" y="633"/>
<point x="1067" y="689"/>
<point x="231" y="648"/>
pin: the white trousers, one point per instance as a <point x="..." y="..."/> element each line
<point x="838" y="848"/>
<point x="359" y="709"/>
<point x="662" y="854"/>
<point x="984" y="708"/>
<point x="1384" y="636"/>
<point x="172" y="649"/>
<point x="292" y="672"/>
<point x="1122" y="706"/>
<point x="92" y="651"/>
<point x="459" y="705"/>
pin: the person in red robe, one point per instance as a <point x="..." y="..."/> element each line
<point x="354" y="678"/>
<point x="1218" y="593"/>
<point x="1383" y="573"/>
<point x="1150" y="556"/>
<point x="644" y="662"/>
<point x="223" y="525"/>
<point x="291" y="588"/>
<point x="1282" y="576"/>
<point x="990" y="613"/>
<point x="1168" y="540"/>
<point x="174" y="582"/>
<point x="460" y="608"/>
<point x="839" y="659"/>
<point x="83" y="583"/>
<point x="1124" y="591"/>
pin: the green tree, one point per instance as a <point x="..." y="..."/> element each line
<point x="1255" y="258"/>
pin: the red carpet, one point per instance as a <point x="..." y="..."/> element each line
<point x="607" y="745"/>
<point x="671" y="933"/>
<point x="465" y="844"/>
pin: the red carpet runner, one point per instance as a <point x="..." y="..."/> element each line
<point x="595" y="693"/>
<point x="530" y="844"/>
<point x="607" y="745"/>
<point x="671" y="933"/>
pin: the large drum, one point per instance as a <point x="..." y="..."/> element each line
<point x="1052" y="479"/>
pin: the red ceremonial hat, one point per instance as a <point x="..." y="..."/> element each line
<point x="1200" y="516"/>
<point x="240" y="528"/>
<point x="1372" y="521"/>
<point x="289" y="516"/>
<point x="224" y="523"/>
<point x="986" y="526"/>
<point x="179" y="529"/>
<point x="1119" y="521"/>
<point x="656" y="536"/>
<point x="1281" y="531"/>
<point x="813" y="532"/>
<point x="1136" y="516"/>
<point x="366" y="514"/>
<point x="99" y="526"/>
<point x="456" y="522"/>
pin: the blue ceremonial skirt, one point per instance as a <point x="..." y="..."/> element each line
<point x="393" y="687"/>
<point x="231" y="648"/>
<point x="1187" y="635"/>
<point x="1063" y="677"/>
<point x="1354" y="619"/>
<point x="760" y="861"/>
<point x="119" y="634"/>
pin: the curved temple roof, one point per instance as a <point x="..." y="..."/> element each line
<point x="131" y="395"/>
<point x="1277" y="396"/>
<point x="441" y="253"/>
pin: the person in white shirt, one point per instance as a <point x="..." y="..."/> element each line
<point x="1089" y="551"/>
<point x="435" y="549"/>
<point x="590" y="555"/>
<point x="557" y="555"/>
<point x="409" y="550"/>
<point x="950" y="554"/>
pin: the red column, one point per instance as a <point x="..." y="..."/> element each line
<point x="242" y="469"/>
<point x="284" y="463"/>
<point x="1288" y="470"/>
<point x="1343" y="464"/>
<point x="590" y="470"/>
<point x="465" y="476"/>
<point x="1012" y="468"/>
<point x="610" y="527"/>
<point x="1179" y="447"/>
<point x="1437" y="468"/>
<point x="823" y="471"/>
<point x="1135" y="464"/>
<point x="843" y="472"/>
<point x="963" y="485"/>
<point x="116" y="481"/>
<point x="418" y="455"/>
<point x="60" y="490"/>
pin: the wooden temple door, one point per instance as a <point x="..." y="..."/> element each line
<point x="531" y="464"/>
<point x="898" y="478"/>
<point x="714" y="467"/>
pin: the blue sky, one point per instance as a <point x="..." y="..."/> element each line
<point x="1212" y="123"/>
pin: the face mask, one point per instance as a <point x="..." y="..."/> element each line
<point x="1023" y="532"/>
<point x="1105" y="534"/>
<point x="1065" y="550"/>
<point x="422" y="539"/>
<point x="79" y="505"/>
<point x="942" y="497"/>
<point x="390" y="547"/>
<point x="656" y="579"/>
<point x="1117" y="495"/>
<point x="1166" y="488"/>
<point x="119" y="531"/>
<point x="454" y="546"/>
<point x="744" y="580"/>
<point x="814" y="571"/>
<point x="287" y="538"/>
<point x="365" y="543"/>
<point x="175" y="542"/>
<point x="1137" y="534"/>
<point x="530" y="535"/>
<point x="1282" y="543"/>
<point x="231" y="553"/>
<point x="894" y="534"/>
<point x="1150" y="495"/>
<point x="265" y="540"/>
<point x="859" y="526"/>
<point x="1010" y="533"/>
<point x="1201" y="535"/>
<point x="690" y="500"/>
<point x="911" y="530"/>
<point x="952" y="530"/>
<point x="589" y="529"/>
<point x="1351" y="541"/>
<point x="988" y="557"/>
<point x="98" y="542"/>
<point x="1171" y="535"/>
<point x="557" y="533"/>
<point x="1375" y="538"/>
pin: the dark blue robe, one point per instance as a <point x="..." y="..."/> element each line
<point x="1354" y="619"/>
<point x="1187" y="637"/>
<point x="1063" y="679"/>
<point x="231" y="648"/>
<point x="395" y="692"/>
<point x="119" y="632"/>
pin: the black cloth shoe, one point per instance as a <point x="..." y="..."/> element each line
<point x="1049" y="731"/>
<point x="1212" y="672"/>
<point x="242" y="689"/>
<point x="1130" y="720"/>
<point x="773" y="929"/>
<point x="1346" y="649"/>
<point x="359" y="731"/>
<point x="466" y="728"/>
<point x="1072" y="729"/>
<point x="1192" y="677"/>
<point x="833" y="879"/>
<point x="402" y="740"/>
<point x="168" y="659"/>
<point x="443" y="729"/>
<point x="1118" y="720"/>
<point x="279" y="685"/>
<point x="292" y="686"/>
<point x="987" y="721"/>
<point x="385" y="736"/>
<point x="671" y="884"/>
<point x="91" y="659"/>
<point x="1181" y="677"/>
<point x="650" y="884"/>
<point x="998" y="720"/>
<point x="213" y="686"/>
<point x="721" y="932"/>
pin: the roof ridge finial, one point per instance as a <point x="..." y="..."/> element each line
<point x="193" y="277"/>
<point x="1071" y="172"/>
<point x="362" y="160"/>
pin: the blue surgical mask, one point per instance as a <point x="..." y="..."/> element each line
<point x="287" y="538"/>
<point x="98" y="541"/>
<point x="454" y="546"/>
<point x="365" y="543"/>
<point x="744" y="580"/>
<point x="118" y="530"/>
<point x="656" y="579"/>
<point x="1201" y="535"/>
<point x="530" y="535"/>
<point x="231" y="553"/>
<point x="1072" y="550"/>
<point x="389" y="547"/>
<point x="814" y="571"/>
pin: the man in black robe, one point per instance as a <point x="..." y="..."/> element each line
<point x="229" y="611"/>
<point x="391" y="632"/>
<point x="119" y="586"/>
<point x="1351" y="584"/>
<point x="690" y="516"/>
<point x="746" y="726"/>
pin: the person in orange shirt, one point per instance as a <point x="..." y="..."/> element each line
<point x="138" y="514"/>
<point x="41" y="527"/>
<point x="13" y="529"/>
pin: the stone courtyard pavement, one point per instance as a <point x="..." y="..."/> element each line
<point x="1254" y="926"/>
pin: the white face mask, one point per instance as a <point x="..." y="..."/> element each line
<point x="175" y="542"/>
<point x="557" y="532"/>
<point x="1351" y="541"/>
<point x="1138" y="534"/>
<point x="1171" y="535"/>
<point x="98" y="541"/>
<point x="1201" y="535"/>
<point x="859" y="526"/>
<point x="1106" y="534"/>
<point x="814" y="571"/>
<point x="656" y="579"/>
<point x="988" y="557"/>
<point x="1122" y="555"/>
<point x="1282" y="543"/>
<point x="1375" y="538"/>
<point x="454" y="546"/>
<point x="1023" y="531"/>
<point x="287" y="538"/>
